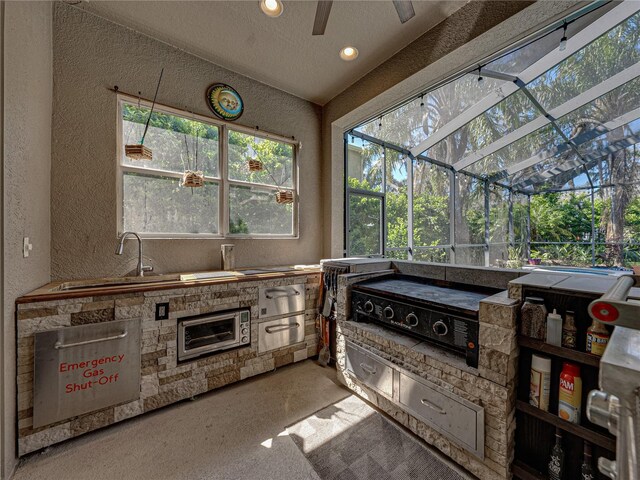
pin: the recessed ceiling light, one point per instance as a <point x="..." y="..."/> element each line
<point x="349" y="53"/>
<point x="272" y="8"/>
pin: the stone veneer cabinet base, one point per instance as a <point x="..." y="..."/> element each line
<point x="491" y="386"/>
<point x="163" y="379"/>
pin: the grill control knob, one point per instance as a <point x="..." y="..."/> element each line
<point x="412" y="320"/>
<point x="388" y="312"/>
<point x="368" y="306"/>
<point x="440" y="328"/>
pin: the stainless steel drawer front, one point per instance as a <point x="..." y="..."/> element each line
<point x="282" y="300"/>
<point x="444" y="411"/>
<point x="85" y="368"/>
<point x="369" y="370"/>
<point x="280" y="333"/>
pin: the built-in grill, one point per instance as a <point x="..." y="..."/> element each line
<point x="442" y="312"/>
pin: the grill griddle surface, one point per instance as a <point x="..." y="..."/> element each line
<point x="443" y="296"/>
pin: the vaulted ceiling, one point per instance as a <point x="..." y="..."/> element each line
<point x="281" y="51"/>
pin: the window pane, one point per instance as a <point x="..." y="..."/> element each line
<point x="255" y="211"/>
<point x="431" y="220"/>
<point x="396" y="201"/>
<point x="365" y="213"/>
<point x="436" y="255"/>
<point x="473" y="256"/>
<point x="177" y="143"/>
<point x="510" y="114"/>
<point x="416" y="120"/>
<point x="397" y="254"/>
<point x="365" y="162"/>
<point x="161" y="205"/>
<point x="608" y="55"/>
<point x="276" y="157"/>
<point x="470" y="221"/>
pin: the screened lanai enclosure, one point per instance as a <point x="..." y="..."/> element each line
<point x="531" y="156"/>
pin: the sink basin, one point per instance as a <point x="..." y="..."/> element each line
<point x="114" y="282"/>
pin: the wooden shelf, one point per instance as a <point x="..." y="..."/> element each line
<point x="524" y="472"/>
<point x="585" y="433"/>
<point x="561" y="352"/>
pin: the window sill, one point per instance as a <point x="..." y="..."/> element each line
<point x="207" y="236"/>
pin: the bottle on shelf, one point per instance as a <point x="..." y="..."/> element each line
<point x="570" y="396"/>
<point x="569" y="330"/>
<point x="540" y="382"/>
<point x="533" y="318"/>
<point x="586" y="471"/>
<point x="597" y="338"/>
<point x="556" y="462"/>
<point x="554" y="329"/>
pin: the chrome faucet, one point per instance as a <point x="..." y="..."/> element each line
<point x="140" y="269"/>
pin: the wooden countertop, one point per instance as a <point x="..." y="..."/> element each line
<point x="123" y="285"/>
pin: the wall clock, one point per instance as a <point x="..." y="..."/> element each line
<point x="224" y="101"/>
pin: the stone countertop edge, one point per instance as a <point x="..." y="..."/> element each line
<point x="501" y="298"/>
<point x="44" y="293"/>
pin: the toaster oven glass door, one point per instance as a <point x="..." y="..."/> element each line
<point x="209" y="334"/>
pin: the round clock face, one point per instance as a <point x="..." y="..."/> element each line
<point x="224" y="101"/>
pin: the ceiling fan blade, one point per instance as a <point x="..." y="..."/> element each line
<point x="405" y="10"/>
<point x="322" y="16"/>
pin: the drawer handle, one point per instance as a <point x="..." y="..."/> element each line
<point x="283" y="291"/>
<point x="281" y="328"/>
<point x="433" y="407"/>
<point x="368" y="369"/>
<point x="59" y="345"/>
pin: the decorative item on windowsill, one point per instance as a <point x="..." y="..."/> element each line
<point x="140" y="151"/>
<point x="192" y="178"/>
<point x="284" y="196"/>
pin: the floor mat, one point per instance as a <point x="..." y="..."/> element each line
<point x="350" y="440"/>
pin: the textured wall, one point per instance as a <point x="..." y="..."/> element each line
<point x="27" y="164"/>
<point x="473" y="32"/>
<point x="91" y="55"/>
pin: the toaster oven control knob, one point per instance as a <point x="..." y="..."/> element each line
<point x="412" y="320"/>
<point x="245" y="331"/>
<point x="388" y="312"/>
<point x="368" y="306"/>
<point x="440" y="328"/>
<point x="245" y="339"/>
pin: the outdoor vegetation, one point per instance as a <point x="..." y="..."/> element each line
<point x="591" y="148"/>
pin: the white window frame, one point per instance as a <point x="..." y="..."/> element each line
<point x="222" y="180"/>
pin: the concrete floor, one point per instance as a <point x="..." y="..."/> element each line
<point x="238" y="432"/>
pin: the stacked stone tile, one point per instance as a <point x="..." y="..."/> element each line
<point x="491" y="385"/>
<point x="163" y="380"/>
